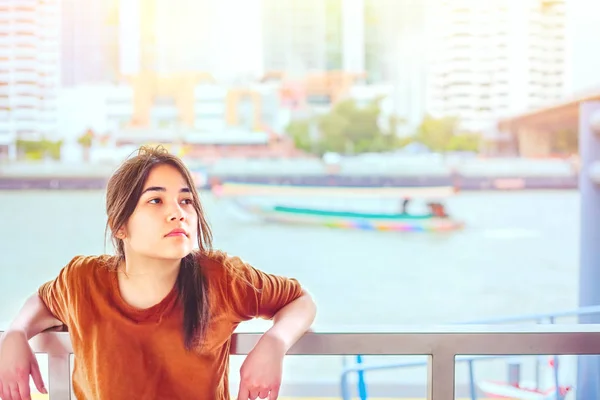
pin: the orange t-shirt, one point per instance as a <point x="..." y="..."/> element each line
<point x="122" y="352"/>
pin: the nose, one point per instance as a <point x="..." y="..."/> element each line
<point x="175" y="217"/>
<point x="175" y="213"/>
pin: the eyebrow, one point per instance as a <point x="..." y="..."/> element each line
<point x="162" y="189"/>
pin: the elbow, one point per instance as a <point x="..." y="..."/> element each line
<point x="310" y="306"/>
<point x="303" y="308"/>
<point x="44" y="320"/>
<point x="310" y="300"/>
<point x="309" y="311"/>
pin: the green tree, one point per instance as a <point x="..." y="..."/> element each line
<point x="465" y="142"/>
<point x="299" y="131"/>
<point x="53" y="149"/>
<point x="85" y="141"/>
<point x="36" y="150"/>
<point x="393" y="123"/>
<point x="437" y="133"/>
<point x="332" y="133"/>
<point x="350" y="128"/>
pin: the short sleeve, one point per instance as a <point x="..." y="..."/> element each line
<point x="59" y="294"/>
<point x="257" y="294"/>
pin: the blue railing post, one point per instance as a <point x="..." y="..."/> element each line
<point x="588" y="379"/>
<point x="362" y="386"/>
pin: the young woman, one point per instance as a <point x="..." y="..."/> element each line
<point x="155" y="320"/>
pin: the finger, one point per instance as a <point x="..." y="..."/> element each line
<point x="253" y="394"/>
<point x="4" y="391"/>
<point x="263" y="394"/>
<point x="24" y="390"/>
<point x="14" y="392"/>
<point x="274" y="393"/>
<point x="23" y="384"/>
<point x="36" y="375"/>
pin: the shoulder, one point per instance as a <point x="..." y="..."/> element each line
<point x="247" y="292"/>
<point x="218" y="265"/>
<point x="75" y="281"/>
<point x="83" y="263"/>
<point x="82" y="266"/>
<point x="80" y="269"/>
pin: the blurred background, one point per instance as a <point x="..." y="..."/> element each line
<point x="307" y="123"/>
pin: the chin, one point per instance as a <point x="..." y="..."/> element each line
<point x="176" y="254"/>
<point x="182" y="254"/>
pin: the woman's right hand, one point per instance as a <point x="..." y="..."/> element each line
<point x="17" y="363"/>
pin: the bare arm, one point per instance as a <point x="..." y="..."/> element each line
<point x="17" y="361"/>
<point x="262" y="370"/>
<point x="293" y="321"/>
<point x="33" y="318"/>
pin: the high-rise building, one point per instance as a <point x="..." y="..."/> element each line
<point x="169" y="36"/>
<point x="301" y="36"/>
<point x="583" y="62"/>
<point x="494" y="58"/>
<point x="185" y="36"/>
<point x="382" y="39"/>
<point x="352" y="35"/>
<point x="167" y="47"/>
<point x="29" y="71"/>
<point x="87" y="41"/>
<point x="383" y="22"/>
<point x="395" y="55"/>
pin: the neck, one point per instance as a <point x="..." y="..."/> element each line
<point x="144" y="282"/>
<point x="150" y="270"/>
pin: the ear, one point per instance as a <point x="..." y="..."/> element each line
<point x="120" y="234"/>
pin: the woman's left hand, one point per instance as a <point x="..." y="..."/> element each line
<point x="261" y="371"/>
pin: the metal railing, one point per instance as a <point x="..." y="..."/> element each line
<point x="442" y="345"/>
<point x="360" y="368"/>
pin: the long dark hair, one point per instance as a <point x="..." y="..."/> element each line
<point x="122" y="195"/>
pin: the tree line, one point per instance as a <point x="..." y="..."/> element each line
<point x="351" y="129"/>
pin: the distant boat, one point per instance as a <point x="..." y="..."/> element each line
<point x="234" y="189"/>
<point x="352" y="220"/>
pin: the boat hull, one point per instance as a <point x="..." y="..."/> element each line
<point x="351" y="220"/>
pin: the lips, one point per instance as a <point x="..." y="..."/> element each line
<point x="177" y="232"/>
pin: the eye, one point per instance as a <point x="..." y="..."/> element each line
<point x="154" y="201"/>
<point x="187" y="201"/>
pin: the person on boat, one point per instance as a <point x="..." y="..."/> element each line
<point x="404" y="206"/>
<point x="155" y="320"/>
<point x="437" y="210"/>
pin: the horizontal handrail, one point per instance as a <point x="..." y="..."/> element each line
<point x="581" y="311"/>
<point x="418" y="363"/>
<point x="442" y="345"/>
<point x="549" y="317"/>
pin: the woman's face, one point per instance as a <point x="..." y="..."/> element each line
<point x="164" y="222"/>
